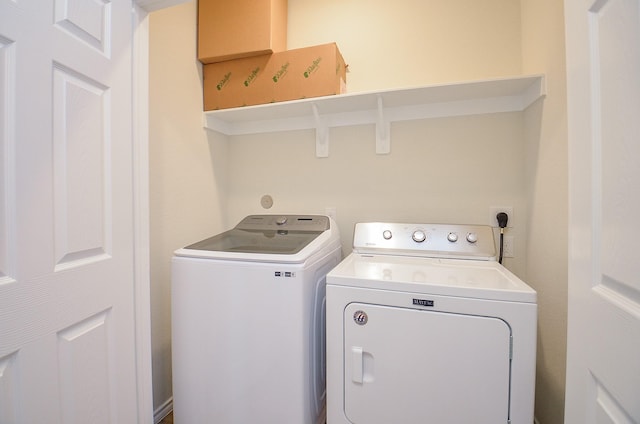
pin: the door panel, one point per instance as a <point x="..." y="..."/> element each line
<point x="67" y="342"/>
<point x="85" y="396"/>
<point x="414" y="366"/>
<point x="82" y="228"/>
<point x="7" y="129"/>
<point x="603" y="62"/>
<point x="8" y="389"/>
<point x="89" y="22"/>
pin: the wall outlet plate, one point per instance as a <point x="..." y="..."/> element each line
<point x="507" y="247"/>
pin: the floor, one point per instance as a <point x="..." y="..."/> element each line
<point x="167" y="420"/>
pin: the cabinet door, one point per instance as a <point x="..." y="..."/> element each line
<point x="415" y="366"/>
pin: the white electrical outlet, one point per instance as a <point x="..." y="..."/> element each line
<point x="507" y="247"/>
<point x="495" y="210"/>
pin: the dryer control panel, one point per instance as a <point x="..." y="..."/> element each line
<point x="455" y="241"/>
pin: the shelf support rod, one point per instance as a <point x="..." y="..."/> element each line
<point x="322" y="134"/>
<point x="383" y="131"/>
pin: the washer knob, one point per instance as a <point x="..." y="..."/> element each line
<point x="419" y="236"/>
<point x="452" y="237"/>
<point x="472" y="237"/>
<point x="281" y="220"/>
<point x="386" y="234"/>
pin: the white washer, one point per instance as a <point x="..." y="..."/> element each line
<point x="248" y="322"/>
<point x="424" y="326"/>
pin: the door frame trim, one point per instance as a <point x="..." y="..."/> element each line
<point x="140" y="163"/>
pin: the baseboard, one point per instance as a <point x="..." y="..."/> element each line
<point x="162" y="411"/>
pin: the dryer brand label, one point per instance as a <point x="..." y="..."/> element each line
<point x="284" y="274"/>
<point x="423" y="302"/>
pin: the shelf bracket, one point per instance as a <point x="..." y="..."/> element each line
<point x="383" y="131"/>
<point x="322" y="134"/>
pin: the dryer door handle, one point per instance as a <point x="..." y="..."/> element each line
<point x="357" y="364"/>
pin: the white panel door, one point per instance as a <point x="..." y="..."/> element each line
<point x="603" y="78"/>
<point x="67" y="342"/>
<point x="412" y="367"/>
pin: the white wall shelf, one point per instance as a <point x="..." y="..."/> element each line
<point x="379" y="108"/>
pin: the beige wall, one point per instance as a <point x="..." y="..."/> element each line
<point x="547" y="192"/>
<point x="187" y="169"/>
<point x="405" y="43"/>
<point x="439" y="170"/>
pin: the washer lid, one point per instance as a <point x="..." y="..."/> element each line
<point x="447" y="277"/>
<point x="264" y="238"/>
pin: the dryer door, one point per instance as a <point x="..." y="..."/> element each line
<point x="414" y="366"/>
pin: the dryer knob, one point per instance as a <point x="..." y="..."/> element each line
<point x="452" y="237"/>
<point x="386" y="234"/>
<point x="281" y="220"/>
<point x="472" y="237"/>
<point x="419" y="236"/>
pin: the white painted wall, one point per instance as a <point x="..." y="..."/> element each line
<point x="440" y="170"/>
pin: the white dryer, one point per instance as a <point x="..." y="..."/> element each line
<point x="424" y="326"/>
<point x="248" y="336"/>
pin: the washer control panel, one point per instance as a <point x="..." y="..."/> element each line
<point x="317" y="223"/>
<point x="429" y="240"/>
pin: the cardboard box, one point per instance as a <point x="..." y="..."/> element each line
<point x="232" y="29"/>
<point x="308" y="72"/>
<point x="295" y="74"/>
<point x="239" y="82"/>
